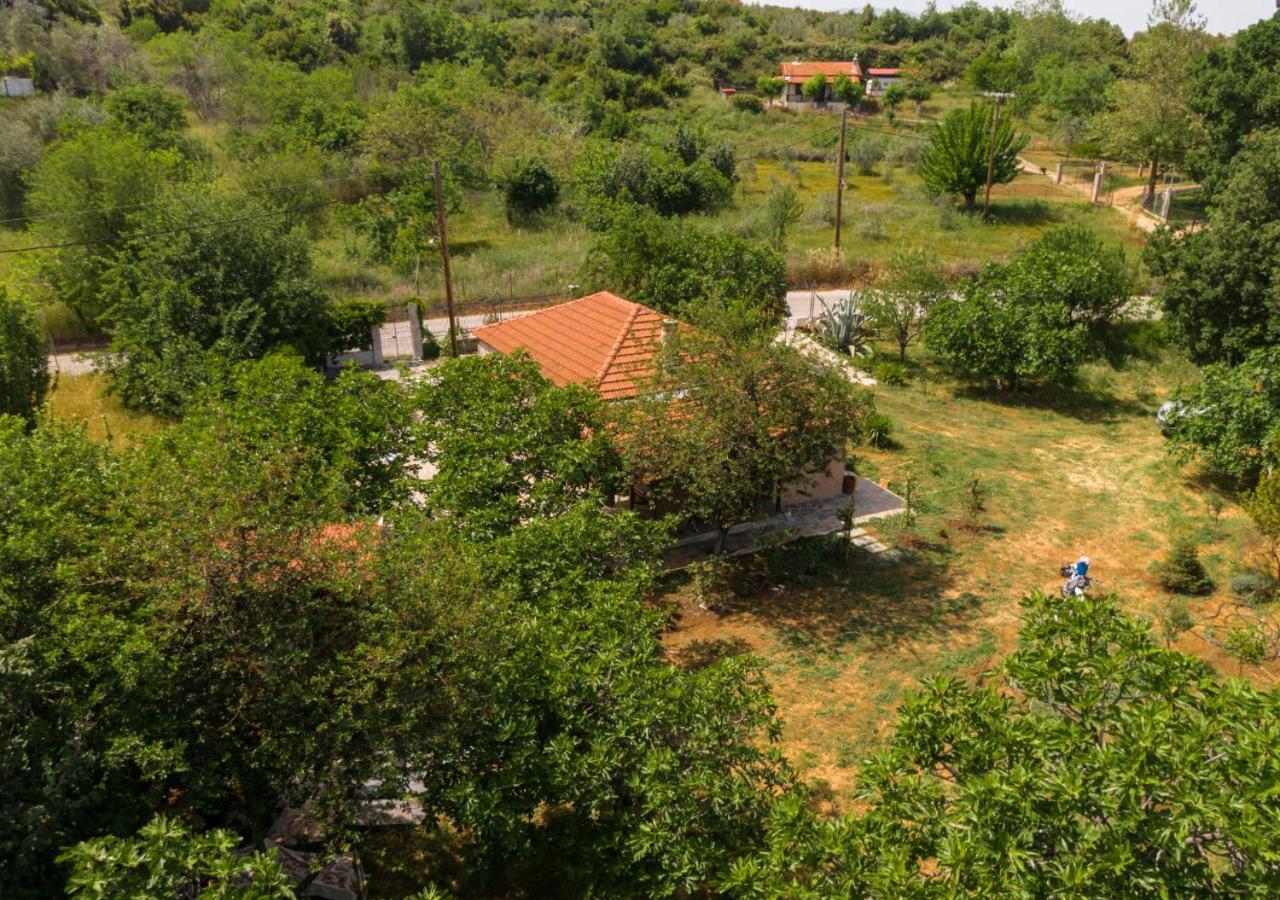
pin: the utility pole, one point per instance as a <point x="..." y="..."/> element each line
<point x="844" y="117"/>
<point x="991" y="155"/>
<point x="444" y="258"/>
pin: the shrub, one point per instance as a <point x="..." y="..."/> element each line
<point x="889" y="371"/>
<point x="870" y="225"/>
<point x="1254" y="588"/>
<point x="747" y="103"/>
<point x="1181" y="571"/>
<point x="1175" y="618"/>
<point x="349" y="323"/>
<point x="877" y="431"/>
<point x="866" y="155"/>
<point x="24" y="370"/>
<point x="529" y="188"/>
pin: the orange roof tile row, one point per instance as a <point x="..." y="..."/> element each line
<point x="802" y="71"/>
<point x="601" y="341"/>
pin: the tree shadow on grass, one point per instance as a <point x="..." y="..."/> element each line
<point x="830" y="604"/>
<point x="702" y="653"/>
<point x="1080" y="402"/>
<point x="1009" y="211"/>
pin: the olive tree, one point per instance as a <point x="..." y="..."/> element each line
<point x="899" y="303"/>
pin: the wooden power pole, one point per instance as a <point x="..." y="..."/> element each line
<point x="444" y="259"/>
<point x="844" y="117"/>
<point x="991" y="154"/>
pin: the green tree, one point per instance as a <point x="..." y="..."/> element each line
<point x="725" y="429"/>
<point x="848" y="91"/>
<point x="1218" y="288"/>
<point x="1150" y="117"/>
<point x="703" y="276"/>
<point x="154" y="115"/>
<point x="166" y="859"/>
<point x="955" y="160"/>
<point x="1235" y="91"/>
<point x="989" y="335"/>
<point x="187" y="303"/>
<point x="919" y="94"/>
<point x="57" y="493"/>
<point x="1181" y="571"/>
<point x="1072" y="265"/>
<point x="1231" y="419"/>
<point x="893" y="95"/>
<point x="24" y="365"/>
<point x="1263" y="506"/>
<point x="529" y="188"/>
<point x="815" y="89"/>
<point x="1091" y="762"/>
<point x="493" y="422"/>
<point x="770" y="86"/>
<point x="907" y="289"/>
<point x="88" y="191"/>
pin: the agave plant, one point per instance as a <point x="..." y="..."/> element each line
<point x="844" y="328"/>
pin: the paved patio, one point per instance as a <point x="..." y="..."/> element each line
<point x="812" y="519"/>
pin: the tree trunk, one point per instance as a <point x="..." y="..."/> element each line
<point x="902" y="351"/>
<point x="1151" y="182"/>
<point x="970" y="199"/>
<point x="721" y="532"/>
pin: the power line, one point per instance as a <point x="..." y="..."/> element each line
<point x="177" y="230"/>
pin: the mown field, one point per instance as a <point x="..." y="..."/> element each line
<point x="1082" y="471"/>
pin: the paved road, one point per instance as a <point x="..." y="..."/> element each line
<point x="70" y="363"/>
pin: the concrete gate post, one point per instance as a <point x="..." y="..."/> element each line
<point x="377" y="346"/>
<point x="1057" y="173"/>
<point x="1166" y="202"/>
<point x="415" y="330"/>
<point x="1097" y="187"/>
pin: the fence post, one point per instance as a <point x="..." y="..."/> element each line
<point x="1166" y="202"/>
<point x="415" y="329"/>
<point x="1057" y="173"/>
<point x="1097" y="187"/>
<point x="377" y="346"/>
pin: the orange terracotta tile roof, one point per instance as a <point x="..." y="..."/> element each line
<point x="885" y="72"/>
<point x="793" y="72"/>
<point x="601" y="341"/>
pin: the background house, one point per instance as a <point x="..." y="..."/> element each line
<point x="795" y="74"/>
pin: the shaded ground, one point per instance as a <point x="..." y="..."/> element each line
<point x="1059" y="473"/>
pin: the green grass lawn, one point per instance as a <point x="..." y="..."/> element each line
<point x="1082" y="470"/>
<point x="85" y="398"/>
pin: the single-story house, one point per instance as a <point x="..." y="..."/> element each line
<point x="879" y="79"/>
<point x="796" y="73"/>
<point x="612" y="346"/>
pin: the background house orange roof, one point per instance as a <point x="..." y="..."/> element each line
<point x="601" y="341"/>
<point x="799" y="72"/>
<point x="885" y="72"/>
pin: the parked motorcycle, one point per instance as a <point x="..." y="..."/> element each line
<point x="1075" y="585"/>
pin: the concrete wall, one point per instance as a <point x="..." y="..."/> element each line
<point x="829" y="483"/>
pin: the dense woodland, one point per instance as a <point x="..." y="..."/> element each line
<point x="260" y="604"/>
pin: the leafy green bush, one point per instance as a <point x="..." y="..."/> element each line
<point x="529" y="188"/>
<point x="350" y="322"/>
<point x="890" y="372"/>
<point x="24" y="369"/>
<point x="866" y="154"/>
<point x="877" y="431"/>
<point x="747" y="103"/>
<point x="1181" y="571"/>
